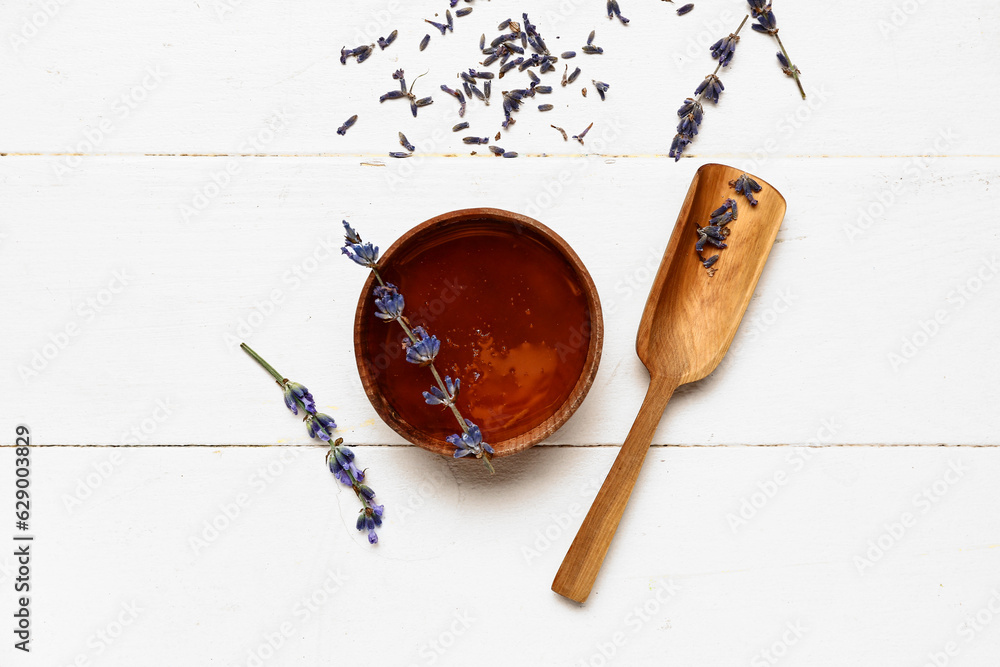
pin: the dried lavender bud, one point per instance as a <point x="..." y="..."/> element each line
<point x="710" y="261"/>
<point x="405" y="143"/>
<point x="503" y="38"/>
<point x="510" y="154"/>
<point x="724" y="49"/>
<point x="464" y="11"/>
<point x="465" y="76"/>
<point x="601" y="88"/>
<point x="366" y="52"/>
<point x="572" y="77"/>
<point x="399" y="154"/>
<point x="590" y="38"/>
<point x="475" y="140"/>
<point x="478" y="93"/>
<point x="592" y="50"/>
<point x="489" y="60"/>
<point x="424" y="101"/>
<point x="561" y="131"/>
<point x="568" y="54"/>
<point x="615" y="10"/>
<point x="467" y="89"/>
<point x="440" y="26"/>
<point x="482" y="41"/>
<point x="461" y="126"/>
<point x="579" y="137"/>
<point x="344" y="53"/>
<point x="746" y="186"/>
<point x="487" y="87"/>
<point x="342" y="130"/>
<point x="685" y="9"/>
<point x="726" y="206"/>
<point x="496" y="150"/>
<point x="534" y="77"/>
<point x="545" y="107"/>
<point x="543" y="90"/>
<point x="424" y="42"/>
<point x="383" y="43"/>
<point x="509" y="66"/>
<point x="392" y="95"/>
<point x="481" y="75"/>
<point x="503" y="24"/>
<point x="711" y="87"/>
<point x="766" y="23"/>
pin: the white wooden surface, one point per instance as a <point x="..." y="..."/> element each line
<point x="123" y="291"/>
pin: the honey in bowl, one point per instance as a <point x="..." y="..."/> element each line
<point x="516" y="314"/>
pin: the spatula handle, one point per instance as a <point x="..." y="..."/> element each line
<point x="579" y="568"/>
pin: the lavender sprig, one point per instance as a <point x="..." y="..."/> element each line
<point x="692" y="111"/>
<point x="768" y="25"/>
<point x="422" y="349"/>
<point x="339" y="458"/>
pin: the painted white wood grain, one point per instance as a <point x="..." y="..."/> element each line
<point x="813" y="360"/>
<point x="465" y="562"/>
<point x="224" y="67"/>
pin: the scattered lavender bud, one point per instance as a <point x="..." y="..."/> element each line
<point x="424" y="42"/>
<point x="503" y="24"/>
<point x="568" y="54"/>
<point x="482" y="41"/>
<point x="424" y="101"/>
<point x="392" y="95"/>
<point x="545" y="107"/>
<point x="342" y="130"/>
<point x="399" y="154"/>
<point x="543" y="90"/>
<point x="710" y="261"/>
<point x="487" y="87"/>
<point x="475" y="140"/>
<point x="451" y="21"/>
<point x="592" y="50"/>
<point x="561" y="131"/>
<point x="510" y="154"/>
<point x="478" y="93"/>
<point x="746" y="186"/>
<point x="685" y="9"/>
<point x="440" y="26"/>
<point x="496" y="150"/>
<point x="590" y="38"/>
<point x="572" y="77"/>
<point x="464" y="11"/>
<point x="405" y="143"/>
<point x="384" y="42"/>
<point x="579" y="137"/>
<point x="534" y="77"/>
<point x="365" y="53"/>
<point x="601" y="88"/>
<point x="461" y="126"/>
<point x="480" y="75"/>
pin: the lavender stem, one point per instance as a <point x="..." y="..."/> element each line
<point x="266" y="366"/>
<point x="793" y="69"/>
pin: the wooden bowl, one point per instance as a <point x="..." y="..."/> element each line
<point x="519" y="320"/>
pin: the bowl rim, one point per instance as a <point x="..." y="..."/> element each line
<point x="562" y="414"/>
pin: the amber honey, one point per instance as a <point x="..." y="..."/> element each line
<point x="512" y="317"/>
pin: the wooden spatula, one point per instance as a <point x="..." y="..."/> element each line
<point x="688" y="323"/>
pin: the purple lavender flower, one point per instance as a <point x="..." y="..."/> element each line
<point x="724" y="49"/>
<point x="766" y="23"/>
<point x="711" y="87"/>
<point x="758" y="7"/>
<point x="746" y="186"/>
<point x="469" y="443"/>
<point x="424" y="349"/>
<point x="296" y="394"/>
<point x="421" y="347"/>
<point x="350" y="235"/>
<point x="389" y="302"/>
<point x="339" y="459"/>
<point x="364" y="254"/>
<point x="319" y="426"/>
<point x="446" y="398"/>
